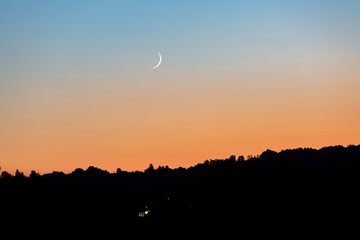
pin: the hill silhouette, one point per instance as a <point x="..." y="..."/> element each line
<point x="300" y="188"/>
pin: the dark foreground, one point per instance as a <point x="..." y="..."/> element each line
<point x="290" y="192"/>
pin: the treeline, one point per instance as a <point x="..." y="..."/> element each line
<point x="324" y="162"/>
<point x="317" y="185"/>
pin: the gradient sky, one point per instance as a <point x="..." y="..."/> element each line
<point x="237" y="77"/>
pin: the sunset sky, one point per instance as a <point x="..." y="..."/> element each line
<point x="237" y="77"/>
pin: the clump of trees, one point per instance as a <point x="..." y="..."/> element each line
<point x="273" y="185"/>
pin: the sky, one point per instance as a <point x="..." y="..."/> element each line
<point x="236" y="78"/>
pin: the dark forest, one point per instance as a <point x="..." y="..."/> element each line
<point x="297" y="188"/>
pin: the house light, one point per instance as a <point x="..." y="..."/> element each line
<point x="143" y="214"/>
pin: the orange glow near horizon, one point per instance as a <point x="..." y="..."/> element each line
<point x="176" y="127"/>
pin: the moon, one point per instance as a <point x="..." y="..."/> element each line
<point x="157" y="65"/>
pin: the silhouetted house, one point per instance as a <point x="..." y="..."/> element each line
<point x="144" y="212"/>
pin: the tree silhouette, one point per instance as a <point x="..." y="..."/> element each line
<point x="19" y="174"/>
<point x="150" y="169"/>
<point x="34" y="176"/>
<point x="5" y="175"/>
<point x="290" y="185"/>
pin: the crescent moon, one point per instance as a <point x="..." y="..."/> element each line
<point x="157" y="65"/>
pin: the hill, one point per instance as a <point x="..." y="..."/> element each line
<point x="293" y="188"/>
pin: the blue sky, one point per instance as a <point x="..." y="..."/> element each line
<point x="212" y="33"/>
